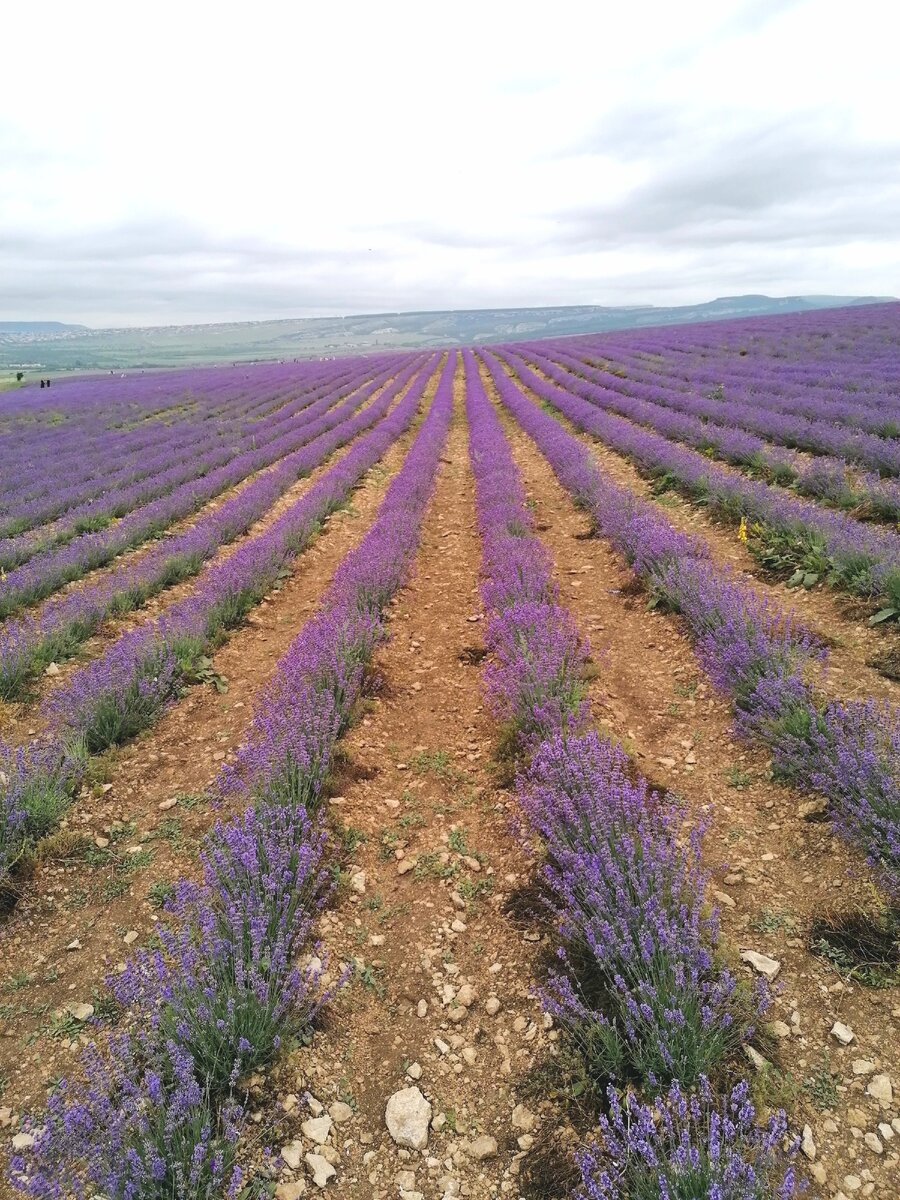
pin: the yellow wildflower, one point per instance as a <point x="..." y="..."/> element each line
<point x="742" y="530"/>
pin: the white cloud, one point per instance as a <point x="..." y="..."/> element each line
<point x="193" y="161"/>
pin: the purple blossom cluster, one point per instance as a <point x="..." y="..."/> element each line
<point x="639" y="987"/>
<point x="756" y="654"/>
<point x="688" y="1148"/>
<point x="29" y="643"/>
<point x="787" y="533"/>
<point x="157" y="1114"/>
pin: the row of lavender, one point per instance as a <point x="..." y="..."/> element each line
<point x="157" y="1113"/>
<point x="74" y="451"/>
<point x="789" y="535"/>
<point x="165" y="465"/>
<point x="639" y="991"/>
<point x="30" y="642"/>
<point x="755" y="654"/>
<point x="45" y="572"/>
<point x="123" y="691"/>
<point x="803" y="363"/>
<point x="715" y="427"/>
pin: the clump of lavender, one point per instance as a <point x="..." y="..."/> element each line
<point x="689" y="1147"/>
<point x="535" y="677"/>
<point x="138" y="1126"/>
<point x="36" y="786"/>
<point x="641" y="991"/>
<point x="224" y="984"/>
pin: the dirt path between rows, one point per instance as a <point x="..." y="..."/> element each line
<point x="772" y="871"/>
<point x="441" y="1000"/>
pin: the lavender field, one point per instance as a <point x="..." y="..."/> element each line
<point x="464" y="773"/>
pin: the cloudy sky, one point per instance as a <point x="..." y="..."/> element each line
<point x="174" y="162"/>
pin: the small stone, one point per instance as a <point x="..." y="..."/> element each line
<point x="862" y="1066"/>
<point x="320" y="1169"/>
<point x="874" y="1143"/>
<point x="492" y="1006"/>
<point x="101" y="842"/>
<point x="780" y="1029"/>
<point x="723" y="898"/>
<point x="843" y="1033"/>
<point x="405" y="866"/>
<point x="852" y="1183"/>
<point x="456" y="1014"/>
<point x="466" y="995"/>
<point x="131" y="936"/>
<point x="407" y="1116"/>
<point x="441" y="1046"/>
<point x="358" y="882"/>
<point x="340" y="1112"/>
<point x="165" y="805"/>
<point x="811" y="808"/>
<point x="75" y="944"/>
<point x="881" y="1089"/>
<point x="291" y="1189"/>
<point x="470" y="1055"/>
<point x="523" y="1118"/>
<point x="885" y="1130"/>
<point x="317" y="1129"/>
<point x="414" y="1071"/>
<point x="22" y="1141"/>
<point x="81" y="1012"/>
<point x="458" y="926"/>
<point x="756" y="1058"/>
<point x="807" y="1145"/>
<point x="292" y="1154"/>
<point x="482" y="1148"/>
<point x="315" y="1107"/>
<point x="422" y="1008"/>
<point x="769" y="967"/>
<point x="51" y="669"/>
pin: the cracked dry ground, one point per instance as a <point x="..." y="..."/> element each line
<point x="441" y="1000"/>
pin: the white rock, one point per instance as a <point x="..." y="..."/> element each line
<point x="422" y="1008"/>
<point x="81" y="1012"/>
<point x="492" y="1006"/>
<point x="407" y="1116"/>
<point x="881" y="1089"/>
<point x="414" y="1071"/>
<point x="807" y="1145"/>
<point x="317" y="1129"/>
<point x="874" y="1143"/>
<point x="483" y="1147"/>
<point x="761" y="963"/>
<point x="292" y="1154"/>
<point x="862" y="1066"/>
<point x="22" y="1141"/>
<point x="358" y="882"/>
<point x="320" y="1169"/>
<point x="130" y="937"/>
<point x="843" y="1033"/>
<point x="466" y="995"/>
<point x="340" y="1112"/>
<point x="523" y="1118"/>
<point x="290" y="1189"/>
<point x="885" y="1130"/>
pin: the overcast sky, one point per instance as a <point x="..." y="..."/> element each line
<point x="171" y="162"/>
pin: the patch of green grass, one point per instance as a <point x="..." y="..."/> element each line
<point x="159" y="892"/>
<point x="769" y="921"/>
<point x="20" y="980"/>
<point x="738" y="778"/>
<point x="822" y="1086"/>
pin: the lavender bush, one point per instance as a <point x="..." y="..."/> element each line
<point x="689" y="1147"/>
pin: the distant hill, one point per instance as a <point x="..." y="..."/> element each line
<point x="53" y="346"/>
<point x="39" y="327"/>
